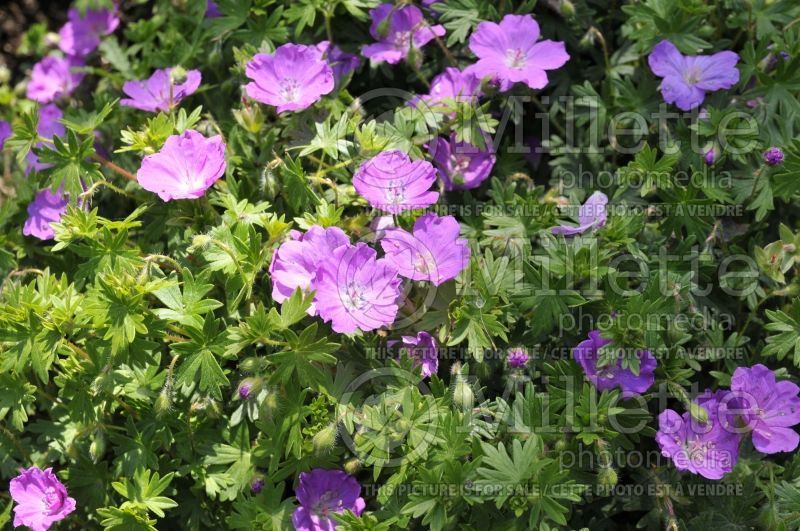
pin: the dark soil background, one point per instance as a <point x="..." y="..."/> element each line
<point x="16" y="16"/>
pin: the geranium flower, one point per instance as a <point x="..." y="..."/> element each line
<point x="508" y="52"/>
<point x="709" y="449"/>
<point x="434" y="252"/>
<point x="291" y="79"/>
<point x="606" y="377"/>
<point x="341" y="62"/>
<point x="212" y="10"/>
<point x="81" y="35"/>
<point x="774" y="156"/>
<point x="154" y="94"/>
<point x="461" y="165"/>
<point x="46" y="208"/>
<point x="423" y="349"/>
<point x="517" y="357"/>
<point x="54" y="77"/>
<point x="771" y="408"/>
<point x="392" y="182"/>
<point x="356" y="291"/>
<point x="185" y="168"/>
<point x="294" y="264"/>
<point x="41" y="499"/>
<point x="687" y="78"/>
<point x="591" y="215"/>
<point x="398" y="30"/>
<point x="48" y="127"/>
<point x="322" y="492"/>
<point x="452" y="84"/>
<point x="5" y="133"/>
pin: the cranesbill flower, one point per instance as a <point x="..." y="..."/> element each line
<point x="591" y="215"/>
<point x="81" y="34"/>
<point x="185" y="168"/>
<point x="54" y="77"/>
<point x="162" y="90"/>
<point x="48" y="127"/>
<point x="770" y="408"/>
<point x="452" y="84"/>
<point x="398" y="30"/>
<point x="709" y="449"/>
<point x="294" y="264"/>
<point x="5" y="133"/>
<point x="392" y="182"/>
<point x="434" y="252"/>
<point x="46" y="208"/>
<point x="687" y="78"/>
<point x="357" y="291"/>
<point x="423" y="349"/>
<point x="460" y="164"/>
<point x="41" y="499"/>
<point x="517" y="357"/>
<point x="212" y="10"/>
<point x="509" y="53"/>
<point x="341" y="62"/>
<point x="291" y="79"/>
<point x="322" y="492"/>
<point x="774" y="156"/>
<point x="608" y="376"/>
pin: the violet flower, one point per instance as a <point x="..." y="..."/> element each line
<point x="49" y="126"/>
<point x="452" y="84"/>
<point x="342" y="63"/>
<point x="212" y="10"/>
<point x="46" y="208"/>
<point x="434" y="252"/>
<point x="187" y="165"/>
<point x="774" y="156"/>
<point x="291" y="79"/>
<point x="460" y="164"/>
<point x="605" y="377"/>
<point x="322" y="492"/>
<point x="509" y="53"/>
<point x="154" y="94"/>
<point x="41" y="499"/>
<point x="5" y="133"/>
<point x="423" y="349"/>
<point x="687" y="78"/>
<point x="517" y="357"/>
<point x="80" y="36"/>
<point x="53" y="78"/>
<point x="398" y="30"/>
<point x="591" y="215"/>
<point x="393" y="183"/>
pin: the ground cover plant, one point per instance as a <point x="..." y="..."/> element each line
<point x="450" y="265"/>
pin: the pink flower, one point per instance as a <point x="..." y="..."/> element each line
<point x="81" y="35"/>
<point x="154" y="94"/>
<point x="46" y="208"/>
<point x="48" y="127"/>
<point x="185" y="168"/>
<point x="392" y="182"/>
<point x="53" y="77"/>
<point x="41" y="499"/>
<point x="405" y="29"/>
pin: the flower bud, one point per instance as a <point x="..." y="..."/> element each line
<point x="567" y="8"/>
<point x="97" y="448"/>
<point x="352" y="466"/>
<point x="257" y="485"/>
<point x="251" y="364"/>
<point x="251" y="118"/>
<point x="177" y="75"/>
<point x="163" y="404"/>
<point x="698" y="412"/>
<point x="463" y="396"/>
<point x="774" y="156"/>
<point x="607" y="477"/>
<point x="325" y="439"/>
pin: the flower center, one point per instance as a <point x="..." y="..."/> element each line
<point x="692" y="75"/>
<point x="395" y="193"/>
<point x="327" y="504"/>
<point x="53" y="500"/>
<point x="460" y="163"/>
<point x="516" y="58"/>
<point x="290" y="90"/>
<point x="424" y="263"/>
<point x="402" y="40"/>
<point x="354" y="297"/>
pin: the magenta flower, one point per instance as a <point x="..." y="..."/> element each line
<point x="460" y="164"/>
<point x="41" y="499"/>
<point x="591" y="215"/>
<point x="774" y="156"/>
<point x="423" y="349"/>
<point x="508" y="52"/>
<point x="605" y="377"/>
<point x="342" y="63"/>
<point x="46" y="208"/>
<point x="154" y="94"/>
<point x="434" y="252"/>
<point x="54" y="77"/>
<point x="687" y="78"/>
<point x="392" y="182"/>
<point x="185" y="168"/>
<point x="770" y="408"/>
<point x="212" y="10"/>
<point x="405" y="29"/>
<point x="356" y="291"/>
<point x="81" y="35"/>
<point x="517" y="357"/>
<point x="48" y="127"/>
<point x="322" y="492"/>
<point x="291" y="79"/>
<point x="5" y="133"/>
<point x="709" y="449"/>
<point x="452" y="84"/>
<point x="294" y="264"/>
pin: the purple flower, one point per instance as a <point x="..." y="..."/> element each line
<point x="5" y="133"/>
<point x="185" y="168"/>
<point x="709" y="449"/>
<point x="53" y="77"/>
<point x="322" y="492"/>
<point x="452" y="84"/>
<point x="356" y="291"/>
<point x="605" y="377"/>
<point x="212" y="11"/>
<point x="508" y="52"/>
<point x="591" y="215"/>
<point x="244" y="390"/>
<point x="379" y="226"/>
<point x="687" y="78"/>
<point x="710" y="156"/>
<point x="517" y="357"/>
<point x="405" y="29"/>
<point x="770" y="408"/>
<point x="342" y="63"/>
<point x="423" y="349"/>
<point x="41" y="499"/>
<point x="434" y="252"/>
<point x="154" y="94"/>
<point x="461" y="165"/>
<point x="393" y="183"/>
<point x="48" y="127"/>
<point x="81" y="35"/>
<point x="46" y="208"/>
<point x="291" y="79"/>
<point x="257" y="485"/>
<point x="773" y="156"/>
<point x="295" y="263"/>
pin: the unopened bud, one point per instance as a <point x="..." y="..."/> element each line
<point x="257" y="485"/>
<point x="463" y="396"/>
<point x="177" y="75"/>
<point x="698" y="412"/>
<point x="352" y="466"/>
<point x="607" y="477"/>
<point x="567" y="8"/>
<point x="97" y="448"/>
<point x="325" y="439"/>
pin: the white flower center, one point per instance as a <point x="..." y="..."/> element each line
<point x="516" y="58"/>
<point x="692" y="75"/>
<point x="290" y="90"/>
